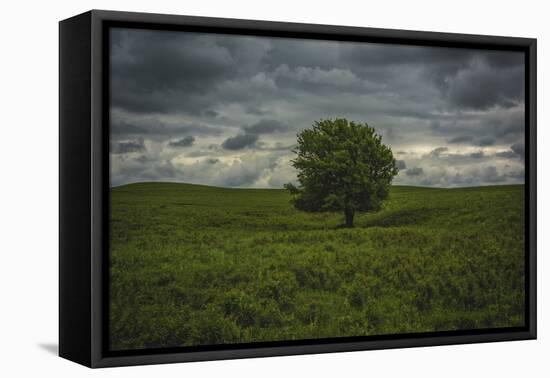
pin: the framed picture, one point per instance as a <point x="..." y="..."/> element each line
<point x="234" y="188"/>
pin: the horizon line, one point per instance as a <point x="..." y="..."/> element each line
<point x="281" y="188"/>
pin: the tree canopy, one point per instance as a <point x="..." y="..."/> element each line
<point x="342" y="166"/>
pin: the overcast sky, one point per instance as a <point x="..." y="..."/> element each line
<point x="224" y="110"/>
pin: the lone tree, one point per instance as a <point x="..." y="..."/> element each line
<point x="342" y="166"/>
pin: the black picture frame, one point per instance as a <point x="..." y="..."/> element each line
<point x="84" y="178"/>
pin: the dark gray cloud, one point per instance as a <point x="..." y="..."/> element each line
<point x="492" y="127"/>
<point x="469" y="79"/>
<point x="240" y="141"/>
<point x="126" y="129"/>
<point x="128" y="146"/>
<point x="250" y="135"/>
<point x="210" y="113"/>
<point x="245" y="98"/>
<point x="477" y="155"/>
<point x="159" y="72"/>
<point x="511" y="126"/>
<point x="153" y="128"/>
<point x="486" y="141"/>
<point x="144" y="159"/>
<point x="437" y="152"/>
<point x="506" y="154"/>
<point x="266" y="126"/>
<point x="183" y="142"/>
<point x="182" y="72"/>
<point x="483" y="86"/>
<point x="460" y="139"/>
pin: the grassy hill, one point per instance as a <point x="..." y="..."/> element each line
<point x="197" y="265"/>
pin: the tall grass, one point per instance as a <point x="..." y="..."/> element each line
<point x="197" y="265"/>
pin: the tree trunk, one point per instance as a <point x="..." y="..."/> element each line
<point x="349" y="217"/>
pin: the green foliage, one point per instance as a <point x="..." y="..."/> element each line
<point x="197" y="265"/>
<point x="342" y="166"/>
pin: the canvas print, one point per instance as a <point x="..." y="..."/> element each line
<point x="267" y="189"/>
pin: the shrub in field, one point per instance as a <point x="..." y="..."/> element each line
<point x="316" y="271"/>
<point x="210" y="326"/>
<point x="241" y="307"/>
<point x="279" y="286"/>
<point x="357" y="292"/>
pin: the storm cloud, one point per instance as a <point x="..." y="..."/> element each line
<point x="460" y="139"/>
<point x="183" y="142"/>
<point x="128" y="146"/>
<point x="265" y="126"/>
<point x="240" y="141"/>
<point x="225" y="110"/>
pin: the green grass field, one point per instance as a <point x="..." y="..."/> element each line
<point x="196" y="265"/>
